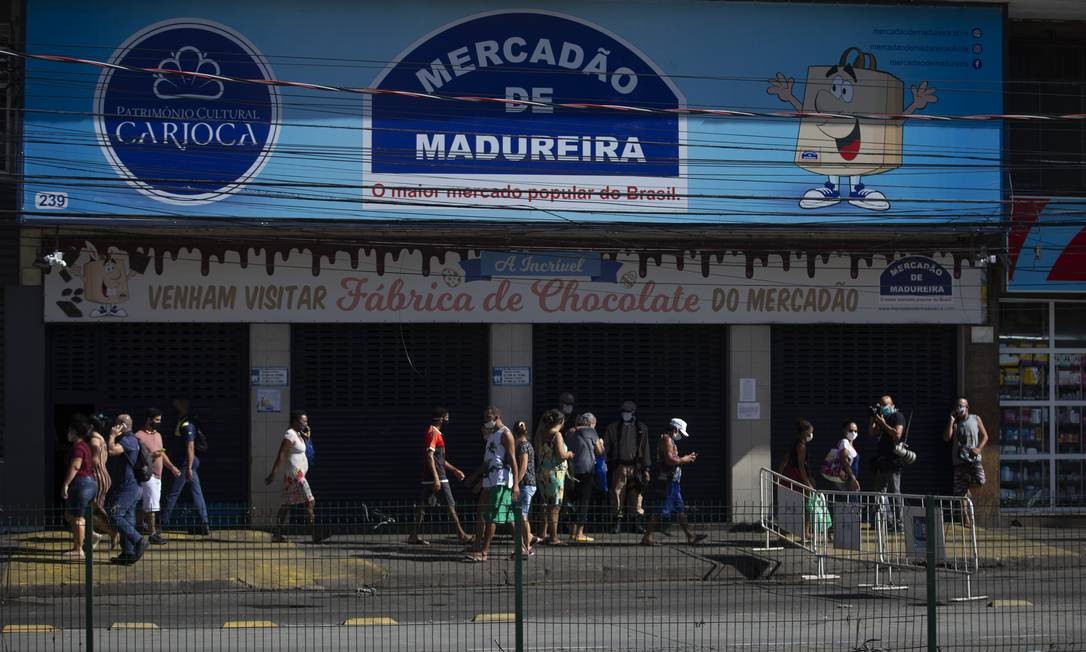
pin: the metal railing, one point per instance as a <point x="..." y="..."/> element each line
<point x="883" y="531"/>
<point x="362" y="586"/>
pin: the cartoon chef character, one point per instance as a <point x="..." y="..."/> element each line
<point x="842" y="145"/>
<point x="105" y="279"/>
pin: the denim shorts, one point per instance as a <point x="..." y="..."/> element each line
<point x="81" y="491"/>
<point x="524" y="502"/>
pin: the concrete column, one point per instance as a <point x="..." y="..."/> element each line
<point x="979" y="358"/>
<point x="23" y="469"/>
<point x="748" y="439"/>
<point x="269" y="346"/>
<point x="511" y="346"/>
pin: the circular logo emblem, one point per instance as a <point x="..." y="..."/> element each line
<point x="184" y="139"/>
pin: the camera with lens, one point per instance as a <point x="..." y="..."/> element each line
<point x="875" y="409"/>
<point x="904" y="454"/>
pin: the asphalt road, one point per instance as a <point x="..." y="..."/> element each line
<point x="760" y="615"/>
<point x="613" y="595"/>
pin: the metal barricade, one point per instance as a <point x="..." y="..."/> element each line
<point x="886" y="531"/>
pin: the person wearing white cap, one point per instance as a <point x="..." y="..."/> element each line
<point x="627" y="444"/>
<point x="665" y="494"/>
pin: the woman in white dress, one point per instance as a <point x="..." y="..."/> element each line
<point x="293" y="458"/>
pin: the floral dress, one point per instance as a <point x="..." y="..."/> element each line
<point x="552" y="474"/>
<point x="296" y="489"/>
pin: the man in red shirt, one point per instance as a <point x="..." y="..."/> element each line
<point x="435" y="481"/>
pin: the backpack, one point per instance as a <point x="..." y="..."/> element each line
<point x="142" y="469"/>
<point x="201" y="439"/>
<point x="200" y="442"/>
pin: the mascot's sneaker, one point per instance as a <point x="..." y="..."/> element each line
<point x="872" y="200"/>
<point x="822" y="197"/>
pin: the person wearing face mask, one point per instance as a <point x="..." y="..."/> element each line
<point x="888" y="425"/>
<point x="79" y="486"/>
<point x="794" y="464"/>
<point x="665" y="493"/>
<point x="151" y="491"/>
<point x="565" y="406"/>
<point x="626" y="442"/>
<point x="435" y="481"/>
<point x="187" y="437"/>
<point x="841" y="463"/>
<point x="498" y="471"/>
<point x="969" y="435"/>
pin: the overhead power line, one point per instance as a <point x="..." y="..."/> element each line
<point x="482" y="99"/>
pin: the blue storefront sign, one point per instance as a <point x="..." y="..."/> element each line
<point x="551" y="264"/>
<point x="915" y="279"/>
<point x="452" y="112"/>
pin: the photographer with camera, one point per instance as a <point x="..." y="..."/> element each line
<point x="970" y="437"/>
<point x="888" y="425"/>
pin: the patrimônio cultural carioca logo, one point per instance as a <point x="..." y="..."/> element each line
<point x="183" y="139"/>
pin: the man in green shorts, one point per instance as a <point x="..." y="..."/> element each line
<point x="499" y="468"/>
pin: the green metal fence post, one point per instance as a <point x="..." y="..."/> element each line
<point x="518" y="577"/>
<point x="88" y="589"/>
<point x="930" y="532"/>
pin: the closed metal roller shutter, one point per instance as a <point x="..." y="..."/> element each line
<point x="3" y="376"/>
<point x="369" y="391"/>
<point x="668" y="370"/>
<point x="827" y="374"/>
<point x="129" y="367"/>
<point x="9" y="240"/>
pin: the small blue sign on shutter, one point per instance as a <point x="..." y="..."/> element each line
<point x="511" y="376"/>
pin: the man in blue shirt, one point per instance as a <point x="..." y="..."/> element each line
<point x="185" y="433"/>
<point x="124" y="491"/>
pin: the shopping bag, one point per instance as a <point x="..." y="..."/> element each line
<point x="601" y="473"/>
<point x="831" y="467"/>
<point x="850" y="146"/>
<point x="819" y="512"/>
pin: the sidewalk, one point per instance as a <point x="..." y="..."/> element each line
<point x="232" y="560"/>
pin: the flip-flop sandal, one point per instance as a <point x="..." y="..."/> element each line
<point x="472" y="559"/>
<point x="418" y="542"/>
<point x="698" y="539"/>
<point x="554" y="543"/>
<point x="469" y="539"/>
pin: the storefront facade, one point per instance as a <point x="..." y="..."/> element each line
<point x="1042" y="345"/>
<point x="615" y="219"/>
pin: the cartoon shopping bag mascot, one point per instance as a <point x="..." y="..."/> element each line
<point x="105" y="279"/>
<point x="851" y="147"/>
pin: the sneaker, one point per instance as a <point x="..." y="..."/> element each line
<point x="872" y="200"/>
<point x="617" y="528"/>
<point x="123" y="560"/>
<point x="141" y="548"/>
<point x="156" y="539"/>
<point x="827" y="195"/>
<point x="278" y="538"/>
<point x="203" y="530"/>
<point x="95" y="539"/>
